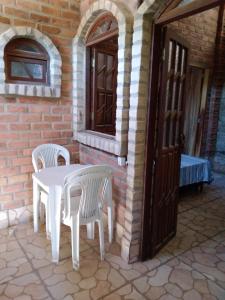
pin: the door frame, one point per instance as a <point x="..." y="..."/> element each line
<point x="187" y="10"/>
<point x="156" y="52"/>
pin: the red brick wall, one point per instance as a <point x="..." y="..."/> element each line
<point x="216" y="122"/>
<point x="200" y="32"/>
<point x="131" y="4"/>
<point x="92" y="156"/>
<point x="28" y="122"/>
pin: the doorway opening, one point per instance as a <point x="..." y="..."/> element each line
<point x="182" y="80"/>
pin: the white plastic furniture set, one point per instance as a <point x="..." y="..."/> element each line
<point x="71" y="194"/>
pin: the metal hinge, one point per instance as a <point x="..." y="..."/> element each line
<point x="93" y="62"/>
<point x="154" y="162"/>
<point x="164" y="54"/>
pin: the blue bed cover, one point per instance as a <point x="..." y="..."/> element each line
<point x="195" y="170"/>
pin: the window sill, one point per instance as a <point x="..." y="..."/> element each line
<point x="100" y="134"/>
<point x="99" y="141"/>
<point x="29" y="90"/>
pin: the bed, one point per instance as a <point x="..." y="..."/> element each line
<point x="195" y="170"/>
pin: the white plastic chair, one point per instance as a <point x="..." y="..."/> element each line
<point x="86" y="209"/>
<point x="106" y="201"/>
<point x="48" y="155"/>
<point x="45" y="156"/>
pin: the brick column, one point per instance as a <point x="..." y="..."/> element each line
<point x="216" y="132"/>
<point x="137" y="128"/>
<point x="137" y="134"/>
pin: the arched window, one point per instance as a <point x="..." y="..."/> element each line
<point x="26" y="61"/>
<point x="102" y="63"/>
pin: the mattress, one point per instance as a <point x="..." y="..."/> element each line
<point x="194" y="170"/>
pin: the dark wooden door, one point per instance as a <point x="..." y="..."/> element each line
<point x="104" y="64"/>
<point x="162" y="199"/>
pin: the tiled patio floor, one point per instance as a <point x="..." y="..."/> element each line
<point x="190" y="267"/>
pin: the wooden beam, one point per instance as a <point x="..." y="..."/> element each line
<point x="187" y="10"/>
<point x="172" y="5"/>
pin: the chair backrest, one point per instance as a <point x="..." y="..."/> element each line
<point x="48" y="155"/>
<point x="92" y="182"/>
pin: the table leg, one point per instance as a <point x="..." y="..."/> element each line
<point x="110" y="211"/>
<point x="36" y="205"/>
<point x="55" y="194"/>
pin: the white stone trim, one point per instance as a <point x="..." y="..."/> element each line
<point x="143" y="21"/>
<point x="54" y="89"/>
<point x="118" y="145"/>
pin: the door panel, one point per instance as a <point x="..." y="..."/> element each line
<point x="104" y="89"/>
<point x="169" y="133"/>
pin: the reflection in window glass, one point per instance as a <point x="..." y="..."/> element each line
<point x="27" y="48"/>
<point x="35" y="70"/>
<point x="184" y="2"/>
<point x="17" y="70"/>
<point x="26" y="70"/>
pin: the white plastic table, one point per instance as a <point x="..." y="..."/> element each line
<point x="51" y="180"/>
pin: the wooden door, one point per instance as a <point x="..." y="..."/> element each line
<point x="103" y="89"/>
<point x="162" y="198"/>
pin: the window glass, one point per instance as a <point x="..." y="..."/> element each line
<point x="26" y="70"/>
<point x="184" y="2"/>
<point x="27" y="61"/>
<point x="28" y="48"/>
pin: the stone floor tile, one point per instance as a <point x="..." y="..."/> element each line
<point x="126" y="292"/>
<point x="13" y="261"/>
<point x="62" y="289"/>
<point x="177" y="280"/>
<point x="217" y="208"/>
<point x="209" y="259"/>
<point x="184" y="240"/>
<point x="220" y="238"/>
<point x="191" y="199"/>
<point x="24" y="287"/>
<point x="205" y="223"/>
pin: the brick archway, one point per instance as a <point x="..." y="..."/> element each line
<point x="117" y="146"/>
<point x="54" y="90"/>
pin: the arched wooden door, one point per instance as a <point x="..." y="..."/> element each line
<point x="101" y="70"/>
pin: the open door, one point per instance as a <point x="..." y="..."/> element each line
<point x="160" y="221"/>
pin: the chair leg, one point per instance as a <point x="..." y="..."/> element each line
<point x="91" y="231"/>
<point x="101" y="238"/>
<point x="54" y="200"/>
<point x="110" y="223"/>
<point x="36" y="204"/>
<point x="75" y="239"/>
